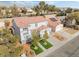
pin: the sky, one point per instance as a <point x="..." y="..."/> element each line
<point x="29" y="4"/>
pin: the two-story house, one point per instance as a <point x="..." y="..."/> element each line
<point x="23" y="27"/>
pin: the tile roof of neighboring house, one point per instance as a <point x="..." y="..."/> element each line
<point x="53" y="23"/>
<point x="24" y="21"/>
<point x="42" y="28"/>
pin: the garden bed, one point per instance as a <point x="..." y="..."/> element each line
<point x="45" y="44"/>
<point x="36" y="49"/>
<point x="58" y="36"/>
<point x="70" y="30"/>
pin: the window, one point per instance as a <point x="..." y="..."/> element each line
<point x="24" y="33"/>
<point x="29" y="25"/>
<point x="24" y="29"/>
<point x="36" y="24"/>
<point x="26" y="37"/>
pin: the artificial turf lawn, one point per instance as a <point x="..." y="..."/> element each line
<point x="39" y="50"/>
<point x="48" y="45"/>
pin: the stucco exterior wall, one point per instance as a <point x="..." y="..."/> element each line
<point x="43" y="31"/>
<point x="25" y="34"/>
<point x="33" y="25"/>
<point x="59" y="27"/>
<point x="16" y="29"/>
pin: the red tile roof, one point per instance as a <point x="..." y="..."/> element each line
<point x="53" y="24"/>
<point x="41" y="28"/>
<point x="24" y="21"/>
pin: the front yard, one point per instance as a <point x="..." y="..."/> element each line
<point x="45" y="44"/>
<point x="38" y="43"/>
<point x="36" y="48"/>
<point x="58" y="36"/>
<point x="70" y="30"/>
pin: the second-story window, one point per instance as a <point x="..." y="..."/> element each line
<point x="29" y="25"/>
<point x="36" y="24"/>
<point x="24" y="29"/>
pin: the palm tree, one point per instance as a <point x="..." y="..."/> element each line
<point x="37" y="10"/>
<point x="42" y="6"/>
<point x="14" y="10"/>
<point x="46" y="8"/>
<point x="51" y="8"/>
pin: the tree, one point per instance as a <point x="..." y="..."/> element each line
<point x="72" y="20"/>
<point x="69" y="10"/>
<point x="7" y="23"/>
<point x="45" y="36"/>
<point x="37" y="10"/>
<point x="75" y="16"/>
<point x="24" y="10"/>
<point x="76" y="10"/>
<point x="61" y="14"/>
<point x="35" y="37"/>
<point x="44" y="8"/>
<point x="15" y="12"/>
<point x="40" y="9"/>
<point x="51" y="8"/>
<point x="9" y="44"/>
<point x="17" y="51"/>
<point x="4" y="51"/>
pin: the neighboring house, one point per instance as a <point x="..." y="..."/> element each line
<point x="62" y="18"/>
<point x="55" y="23"/>
<point x="23" y="27"/>
<point x="30" y="12"/>
<point x="3" y="12"/>
<point x="8" y="21"/>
